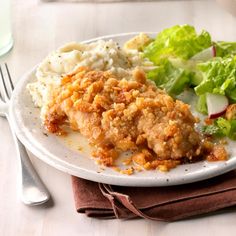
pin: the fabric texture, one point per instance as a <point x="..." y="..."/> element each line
<point x="155" y="203"/>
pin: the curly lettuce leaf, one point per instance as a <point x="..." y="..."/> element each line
<point x="227" y="127"/>
<point x="174" y="75"/>
<point x="172" y="79"/>
<point x="191" y="68"/>
<point x="201" y="104"/>
<point x="219" y="77"/>
<point x="224" y="49"/>
<point x="221" y="128"/>
<point x="179" y="41"/>
<point x="212" y="130"/>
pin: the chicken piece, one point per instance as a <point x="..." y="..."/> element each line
<point x="119" y="115"/>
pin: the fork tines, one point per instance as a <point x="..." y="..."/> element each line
<point x="6" y="86"/>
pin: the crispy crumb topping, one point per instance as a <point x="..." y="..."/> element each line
<point x="118" y="115"/>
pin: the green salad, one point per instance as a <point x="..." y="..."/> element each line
<point x="187" y="59"/>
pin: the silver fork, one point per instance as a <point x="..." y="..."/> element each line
<point x="32" y="189"/>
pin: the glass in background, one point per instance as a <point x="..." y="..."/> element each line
<point x="6" y="41"/>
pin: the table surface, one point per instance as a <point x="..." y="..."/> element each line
<point x="41" y="27"/>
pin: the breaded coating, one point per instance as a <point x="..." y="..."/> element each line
<point x="119" y="115"/>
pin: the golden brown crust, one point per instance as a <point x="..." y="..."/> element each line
<point x="218" y="154"/>
<point x="120" y="115"/>
<point x="231" y="112"/>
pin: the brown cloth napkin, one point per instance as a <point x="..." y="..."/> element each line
<point x="156" y="203"/>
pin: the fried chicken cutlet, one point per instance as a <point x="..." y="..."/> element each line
<point x="117" y="115"/>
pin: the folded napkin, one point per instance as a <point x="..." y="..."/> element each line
<point x="156" y="203"/>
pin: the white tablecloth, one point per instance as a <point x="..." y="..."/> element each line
<point x="41" y="27"/>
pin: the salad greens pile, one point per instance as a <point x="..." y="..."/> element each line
<point x="218" y="77"/>
<point x="179" y="42"/>
<point x="171" y="51"/>
<point x="186" y="59"/>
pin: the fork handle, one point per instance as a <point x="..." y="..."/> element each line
<point x="32" y="189"/>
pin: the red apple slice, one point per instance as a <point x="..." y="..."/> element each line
<point x="205" y="55"/>
<point x="216" y="105"/>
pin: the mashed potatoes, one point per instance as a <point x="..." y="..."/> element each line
<point x="100" y="55"/>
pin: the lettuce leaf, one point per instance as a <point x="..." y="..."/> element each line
<point x="224" y="49"/>
<point x="174" y="75"/>
<point x="170" y="78"/>
<point x="221" y="127"/>
<point x="219" y="76"/>
<point x="212" y="130"/>
<point x="191" y="68"/>
<point x="179" y="41"/>
<point x="201" y="104"/>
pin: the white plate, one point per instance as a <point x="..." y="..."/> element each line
<point x="27" y="125"/>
